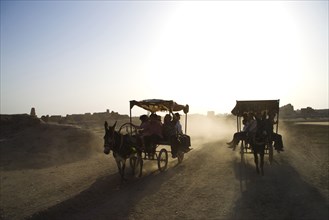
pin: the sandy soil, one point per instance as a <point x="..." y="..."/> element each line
<point x="211" y="183"/>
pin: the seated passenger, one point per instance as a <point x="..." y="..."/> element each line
<point x="248" y="131"/>
<point x="277" y="138"/>
<point x="184" y="140"/>
<point x="144" y="124"/>
<point x="169" y="134"/>
<point x="152" y="133"/>
<point x="168" y="127"/>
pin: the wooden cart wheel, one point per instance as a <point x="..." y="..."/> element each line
<point x="163" y="160"/>
<point x="128" y="128"/>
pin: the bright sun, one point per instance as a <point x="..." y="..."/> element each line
<point x="221" y="54"/>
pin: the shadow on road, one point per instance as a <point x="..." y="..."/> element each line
<point x="280" y="194"/>
<point x="108" y="198"/>
<point x="211" y="179"/>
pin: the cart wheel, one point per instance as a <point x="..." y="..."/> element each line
<point x="180" y="156"/>
<point x="128" y="128"/>
<point x="163" y="160"/>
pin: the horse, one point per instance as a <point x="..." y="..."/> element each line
<point x="258" y="143"/>
<point x="121" y="145"/>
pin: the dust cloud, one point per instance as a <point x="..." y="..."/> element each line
<point x="46" y="144"/>
<point x="209" y="129"/>
<point x="43" y="145"/>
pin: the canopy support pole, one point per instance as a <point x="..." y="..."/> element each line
<point x="277" y="118"/>
<point x="185" y="122"/>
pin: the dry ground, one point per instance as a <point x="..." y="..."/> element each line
<point x="60" y="172"/>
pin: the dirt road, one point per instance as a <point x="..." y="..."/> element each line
<point x="211" y="183"/>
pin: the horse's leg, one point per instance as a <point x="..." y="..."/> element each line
<point x="123" y="170"/>
<point x="119" y="166"/>
<point x="122" y="165"/>
<point x="262" y="163"/>
<point x="256" y="161"/>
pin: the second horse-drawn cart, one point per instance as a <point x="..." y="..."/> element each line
<point x="265" y="114"/>
<point x="131" y="131"/>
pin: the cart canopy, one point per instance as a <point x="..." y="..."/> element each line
<point x="242" y="107"/>
<point x="155" y="105"/>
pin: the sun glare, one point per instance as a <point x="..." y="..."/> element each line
<point x="217" y="52"/>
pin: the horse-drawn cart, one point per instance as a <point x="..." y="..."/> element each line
<point x="159" y="105"/>
<point x="266" y="114"/>
<point x="126" y="142"/>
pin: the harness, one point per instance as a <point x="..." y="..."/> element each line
<point x="119" y="150"/>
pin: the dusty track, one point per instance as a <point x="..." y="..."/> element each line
<point x="211" y="183"/>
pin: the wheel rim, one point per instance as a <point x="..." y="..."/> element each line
<point x="163" y="159"/>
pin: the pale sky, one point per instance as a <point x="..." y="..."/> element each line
<point x="73" y="57"/>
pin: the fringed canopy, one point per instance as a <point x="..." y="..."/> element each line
<point x="242" y="107"/>
<point x="155" y="105"/>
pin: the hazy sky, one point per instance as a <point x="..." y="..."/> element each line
<point x="65" y="57"/>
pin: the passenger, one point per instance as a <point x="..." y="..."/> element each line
<point x="184" y="140"/>
<point x="169" y="134"/>
<point x="159" y="118"/>
<point x="144" y="120"/>
<point x="152" y="133"/>
<point x="277" y="138"/>
<point x="252" y="126"/>
<point x="168" y="127"/>
<point x="178" y="125"/>
<point x="260" y="118"/>
<point x="242" y="135"/>
<point x="248" y="132"/>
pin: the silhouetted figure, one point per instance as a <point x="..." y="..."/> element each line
<point x="277" y="138"/>
<point x="183" y="139"/>
<point x="248" y="132"/>
<point x="169" y="134"/>
<point x="151" y="133"/>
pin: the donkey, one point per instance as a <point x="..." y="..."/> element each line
<point x="258" y="147"/>
<point x="122" y="147"/>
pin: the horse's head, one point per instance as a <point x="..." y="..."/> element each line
<point x="109" y="139"/>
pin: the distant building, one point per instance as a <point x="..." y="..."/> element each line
<point x="287" y="111"/>
<point x="323" y="113"/>
<point x="33" y="112"/>
<point x="54" y="118"/>
<point x="307" y="112"/>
